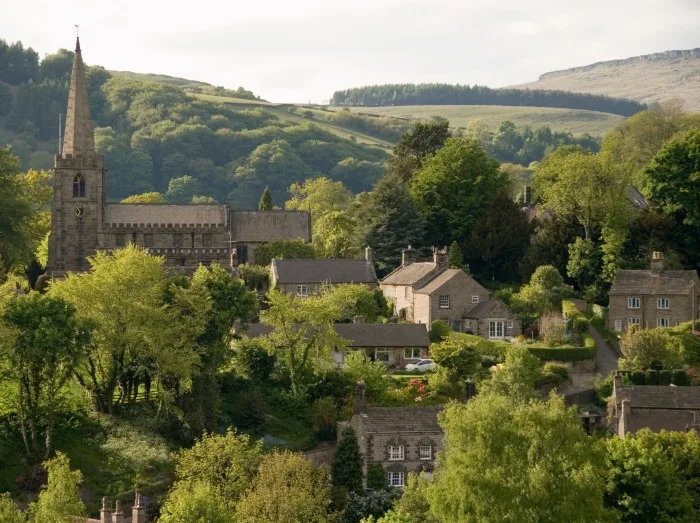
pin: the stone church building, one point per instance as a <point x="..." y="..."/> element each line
<point x="82" y="222"/>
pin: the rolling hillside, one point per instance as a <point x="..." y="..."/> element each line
<point x="648" y="78"/>
<point x="160" y="78"/>
<point x="567" y="120"/>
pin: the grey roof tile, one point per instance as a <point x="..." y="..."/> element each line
<point x="320" y="271"/>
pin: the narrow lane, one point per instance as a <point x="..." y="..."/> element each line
<point x="605" y="358"/>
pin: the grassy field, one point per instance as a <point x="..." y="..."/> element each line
<point x="314" y="116"/>
<point x="160" y="78"/>
<point x="571" y="120"/>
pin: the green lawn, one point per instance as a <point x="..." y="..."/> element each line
<point x="570" y="120"/>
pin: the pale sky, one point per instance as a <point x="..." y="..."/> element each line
<point x="300" y="51"/>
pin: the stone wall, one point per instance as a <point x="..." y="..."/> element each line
<point x="679" y="311"/>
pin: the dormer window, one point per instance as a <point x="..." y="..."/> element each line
<point x="78" y="186"/>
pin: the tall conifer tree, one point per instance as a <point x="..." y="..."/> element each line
<point x="266" y="200"/>
<point x="347" y="463"/>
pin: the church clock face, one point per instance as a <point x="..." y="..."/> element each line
<point x="80" y="211"/>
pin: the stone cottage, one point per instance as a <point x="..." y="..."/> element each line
<point x="308" y="277"/>
<point x="400" y="439"/>
<point x="656" y="407"/>
<point x="394" y="344"/>
<point x="653" y="298"/>
<point x="82" y="222"/>
<point x="423" y="291"/>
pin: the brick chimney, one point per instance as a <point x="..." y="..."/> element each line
<point x="369" y="254"/>
<point x="657" y="262"/>
<point x="138" y="511"/>
<point x="105" y="513"/>
<point x="360" y="405"/>
<point x="408" y="255"/>
<point x="440" y="259"/>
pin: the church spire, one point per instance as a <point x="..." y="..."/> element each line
<point x="78" y="138"/>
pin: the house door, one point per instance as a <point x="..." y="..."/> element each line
<point x="496" y="329"/>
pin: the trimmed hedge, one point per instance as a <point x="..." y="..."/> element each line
<point x="565" y="352"/>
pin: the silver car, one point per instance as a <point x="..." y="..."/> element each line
<point x="421" y="366"/>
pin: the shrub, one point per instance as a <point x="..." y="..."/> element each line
<point x="568" y="309"/>
<point x="665" y="377"/>
<point x="552" y="328"/>
<point x="566" y="353"/>
<point x="554" y="368"/>
<point x="376" y="477"/>
<point x="439" y="330"/>
<point x="373" y="373"/>
<point x="638" y="377"/>
<point x="651" y="377"/>
<point x="680" y="378"/>
<point x="325" y="417"/>
<point x="580" y="324"/>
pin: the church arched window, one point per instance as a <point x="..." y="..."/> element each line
<point x="78" y="186"/>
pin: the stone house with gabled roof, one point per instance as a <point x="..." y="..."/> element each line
<point x="394" y="344"/>
<point x="426" y="291"/>
<point x="655" y="407"/>
<point x="653" y="298"/>
<point x="400" y="439"/>
<point x="307" y="277"/>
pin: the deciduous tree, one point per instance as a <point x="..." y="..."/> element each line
<point x="60" y="497"/>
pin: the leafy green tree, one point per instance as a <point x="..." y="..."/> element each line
<point x="182" y="189"/>
<point x="372" y="373"/>
<point x="497" y="464"/>
<point x="453" y="188"/>
<point x="499" y="240"/>
<point x="585" y="266"/>
<point x="389" y="223"/>
<point x="59" y="500"/>
<point x="549" y="244"/>
<point x="354" y="300"/>
<point x="673" y="178"/>
<point x="454" y="257"/>
<point x="303" y="336"/>
<point x="414" y="501"/>
<point x="6" y="99"/>
<point x="123" y="297"/>
<point x="284" y="249"/>
<point x="203" y="200"/>
<point x="57" y="67"/>
<point x="516" y="377"/>
<point x="320" y="196"/>
<point x="654" y="476"/>
<point x="572" y="182"/>
<point x="461" y="360"/>
<point x="16" y="213"/>
<point x="334" y="236"/>
<point x="370" y="505"/>
<point x="9" y="512"/>
<point x="46" y="343"/>
<point x="287" y="488"/>
<point x="266" y="200"/>
<point x="130" y="171"/>
<point x="346" y="470"/>
<point x="422" y="141"/>
<point x="645" y="348"/>
<point x="390" y="517"/>
<point x="145" y="198"/>
<point x="197" y="503"/>
<point x="225" y="464"/>
<point x="544" y="292"/>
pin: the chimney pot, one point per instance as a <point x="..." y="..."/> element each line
<point x="657" y="262"/>
<point x="368" y="254"/>
<point x="408" y="255"/>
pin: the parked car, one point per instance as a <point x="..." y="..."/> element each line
<point x="421" y="366"/>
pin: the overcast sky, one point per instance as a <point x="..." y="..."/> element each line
<point x="303" y="50"/>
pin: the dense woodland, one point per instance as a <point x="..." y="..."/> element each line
<point x="446" y="94"/>
<point x="129" y="376"/>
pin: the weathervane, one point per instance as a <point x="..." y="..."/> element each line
<point x="77" y="30"/>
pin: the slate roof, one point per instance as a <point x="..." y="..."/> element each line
<point x="663" y="397"/>
<point x="368" y="334"/>
<point x="442" y="278"/>
<point x="384" y="334"/>
<point x="320" y="271"/>
<point x="647" y="282"/>
<point x="409" y="274"/>
<point x="266" y="226"/>
<point x="166" y="214"/>
<point x="485" y="308"/>
<point x="393" y="420"/>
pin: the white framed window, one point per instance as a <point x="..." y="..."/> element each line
<point x="396" y="479"/>
<point x="633" y="321"/>
<point x="384" y="356"/>
<point x="496" y="329"/>
<point x="475" y="299"/>
<point x="618" y="325"/>
<point x="396" y="453"/>
<point x="412" y="353"/>
<point x="663" y="322"/>
<point x="633" y="303"/>
<point x="406" y="292"/>
<point x="509" y="324"/>
<point x="444" y="301"/>
<point x="425" y="452"/>
<point x="302" y="290"/>
<point x="662" y="303"/>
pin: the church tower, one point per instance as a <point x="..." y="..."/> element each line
<point x="78" y="183"/>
